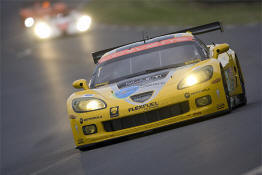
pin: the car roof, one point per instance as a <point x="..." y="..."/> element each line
<point x="147" y="44"/>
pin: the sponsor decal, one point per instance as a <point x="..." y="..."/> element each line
<point x="126" y="92"/>
<point x="146" y="83"/>
<point x="143" y="80"/>
<point x="114" y="111"/>
<point x="145" y="47"/>
<point x="147" y="106"/>
<point x="88" y="95"/>
<point x="220" y="106"/>
<point x="154" y="84"/>
<point x="93" y="118"/>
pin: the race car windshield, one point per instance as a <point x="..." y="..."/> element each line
<point x="131" y="65"/>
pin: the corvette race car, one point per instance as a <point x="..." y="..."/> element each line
<point x="153" y="83"/>
<point x="47" y="20"/>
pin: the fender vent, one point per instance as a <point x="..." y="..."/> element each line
<point x="142" y="97"/>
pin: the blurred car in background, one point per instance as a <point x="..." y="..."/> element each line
<point x="50" y="20"/>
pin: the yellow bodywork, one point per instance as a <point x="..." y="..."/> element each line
<point x="167" y="96"/>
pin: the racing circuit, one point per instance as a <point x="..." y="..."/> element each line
<point x="36" y="137"/>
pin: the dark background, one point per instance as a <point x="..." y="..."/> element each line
<point x="36" y="137"/>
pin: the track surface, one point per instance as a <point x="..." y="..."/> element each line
<point x="36" y="137"/>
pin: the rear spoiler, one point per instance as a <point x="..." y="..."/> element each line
<point x="97" y="55"/>
<point x="194" y="30"/>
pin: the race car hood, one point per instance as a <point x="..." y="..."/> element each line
<point x="141" y="89"/>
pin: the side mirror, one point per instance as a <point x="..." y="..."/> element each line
<point x="220" y="48"/>
<point x="79" y="84"/>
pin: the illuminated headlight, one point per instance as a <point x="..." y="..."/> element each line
<point x="29" y="22"/>
<point x="87" y="104"/>
<point x="198" y="76"/>
<point x="83" y="23"/>
<point x="42" y="30"/>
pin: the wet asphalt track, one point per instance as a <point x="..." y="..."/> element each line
<point x="36" y="137"/>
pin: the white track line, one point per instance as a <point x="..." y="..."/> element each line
<point x="256" y="171"/>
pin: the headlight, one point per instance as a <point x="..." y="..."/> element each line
<point x="87" y="104"/>
<point x="42" y="30"/>
<point x="29" y="22"/>
<point x="83" y="23"/>
<point x="198" y="76"/>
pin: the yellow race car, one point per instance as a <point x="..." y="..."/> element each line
<point x="153" y="83"/>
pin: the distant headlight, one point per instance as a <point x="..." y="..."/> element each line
<point x="29" y="22"/>
<point x="87" y="104"/>
<point x="198" y="76"/>
<point x="83" y="23"/>
<point x="42" y="30"/>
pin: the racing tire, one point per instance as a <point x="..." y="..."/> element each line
<point x="241" y="97"/>
<point x="229" y="101"/>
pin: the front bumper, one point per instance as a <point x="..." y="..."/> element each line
<point x="179" y="109"/>
<point x="183" y="122"/>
